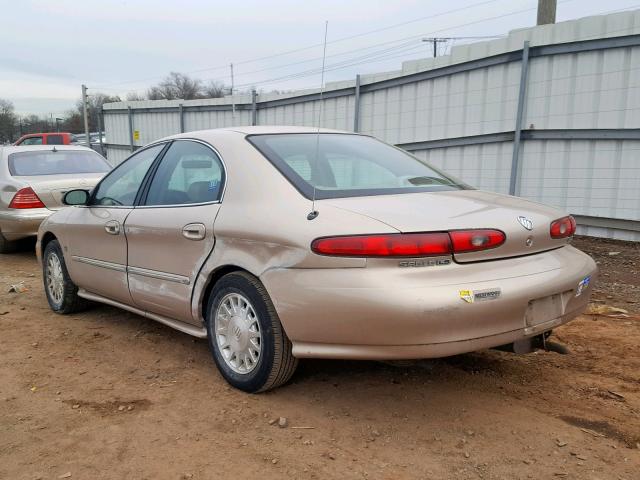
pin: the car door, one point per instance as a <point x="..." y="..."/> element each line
<point x="170" y="234"/>
<point x="96" y="245"/>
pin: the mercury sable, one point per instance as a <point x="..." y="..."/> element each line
<point x="280" y="243"/>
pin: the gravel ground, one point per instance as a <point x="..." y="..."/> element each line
<point x="107" y="394"/>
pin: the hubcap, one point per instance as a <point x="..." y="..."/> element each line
<point x="55" y="278"/>
<point x="238" y="333"/>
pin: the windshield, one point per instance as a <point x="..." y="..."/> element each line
<point x="60" y="162"/>
<point x="349" y="165"/>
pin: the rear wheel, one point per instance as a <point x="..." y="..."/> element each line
<point x="6" y="246"/>
<point x="248" y="343"/>
<point x="62" y="293"/>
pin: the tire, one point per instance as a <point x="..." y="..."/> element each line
<point x="252" y="321"/>
<point x="62" y="297"/>
<point x="6" y="246"/>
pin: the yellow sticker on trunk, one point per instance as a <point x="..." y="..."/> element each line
<point x="466" y="295"/>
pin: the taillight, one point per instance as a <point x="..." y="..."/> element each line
<point x="389" y="245"/>
<point x="474" y="240"/>
<point x="409" y="244"/>
<point x="26" y="198"/>
<point x="563" y="227"/>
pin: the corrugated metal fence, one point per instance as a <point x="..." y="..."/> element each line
<point x="551" y="113"/>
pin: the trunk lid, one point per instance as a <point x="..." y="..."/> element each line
<point x="462" y="210"/>
<point x="51" y="188"/>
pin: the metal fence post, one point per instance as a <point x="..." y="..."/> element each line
<point x="181" y="113"/>
<point x="517" y="134"/>
<point x="100" y="113"/>
<point x="254" y="107"/>
<point x="130" y="112"/>
<point x="356" y="106"/>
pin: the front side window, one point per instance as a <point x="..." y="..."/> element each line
<point x="55" y="140"/>
<point x="59" y="162"/>
<point x="121" y="186"/>
<point x="340" y="165"/>
<point x="189" y="173"/>
<point x="32" y="141"/>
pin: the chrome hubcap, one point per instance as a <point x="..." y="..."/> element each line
<point x="238" y="333"/>
<point x="55" y="278"/>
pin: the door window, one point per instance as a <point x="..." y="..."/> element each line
<point x="121" y="186"/>
<point x="189" y="173"/>
<point x="32" y="141"/>
<point x="55" y="140"/>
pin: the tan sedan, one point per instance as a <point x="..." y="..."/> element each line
<point x="279" y="243"/>
<point x="33" y="180"/>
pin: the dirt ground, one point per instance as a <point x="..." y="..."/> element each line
<point x="107" y="394"/>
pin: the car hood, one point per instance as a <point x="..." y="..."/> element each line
<point x="463" y="209"/>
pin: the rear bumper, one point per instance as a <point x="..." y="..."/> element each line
<point x="17" y="224"/>
<point x="397" y="313"/>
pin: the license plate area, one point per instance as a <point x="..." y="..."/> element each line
<point x="543" y="310"/>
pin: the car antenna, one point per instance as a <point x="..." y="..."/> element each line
<point x="314" y="213"/>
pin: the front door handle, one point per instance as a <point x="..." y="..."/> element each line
<point x="194" y="231"/>
<point x="112" y="227"/>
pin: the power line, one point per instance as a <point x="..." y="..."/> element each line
<point x="475" y="22"/>
<point x="342" y="39"/>
<point x="386" y="54"/>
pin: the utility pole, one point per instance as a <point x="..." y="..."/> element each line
<point x="435" y="42"/>
<point x="546" y="11"/>
<point x="86" y="115"/>
<point x="233" y="103"/>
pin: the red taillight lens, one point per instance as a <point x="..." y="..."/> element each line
<point x="474" y="240"/>
<point x="563" y="227"/>
<point x="26" y="198"/>
<point x="409" y="244"/>
<point x="390" y="245"/>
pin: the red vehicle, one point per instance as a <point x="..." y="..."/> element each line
<point x="58" y="138"/>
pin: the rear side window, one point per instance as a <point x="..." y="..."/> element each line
<point x="189" y="173"/>
<point x="32" y="141"/>
<point x="55" y="140"/>
<point x="341" y="165"/>
<point x="61" y="162"/>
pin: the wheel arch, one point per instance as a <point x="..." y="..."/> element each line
<point x="47" y="238"/>
<point x="214" y="277"/>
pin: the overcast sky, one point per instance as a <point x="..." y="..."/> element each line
<point x="49" y="48"/>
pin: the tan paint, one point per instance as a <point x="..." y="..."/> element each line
<point x="83" y="234"/>
<point x="349" y="307"/>
<point x="156" y="242"/>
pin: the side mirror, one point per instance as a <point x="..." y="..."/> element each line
<point x="76" y="197"/>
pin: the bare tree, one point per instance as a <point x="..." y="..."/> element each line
<point x="176" y="86"/>
<point x="214" y="89"/>
<point x="8" y="120"/>
<point x="135" y="96"/>
<point x="95" y="102"/>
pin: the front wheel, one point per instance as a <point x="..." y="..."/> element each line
<point x="62" y="293"/>
<point x="248" y="343"/>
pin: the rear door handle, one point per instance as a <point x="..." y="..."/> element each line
<point x="112" y="227"/>
<point x="194" y="231"/>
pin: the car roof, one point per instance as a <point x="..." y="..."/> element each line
<point x="9" y="149"/>
<point x="272" y="129"/>
<point x="215" y="133"/>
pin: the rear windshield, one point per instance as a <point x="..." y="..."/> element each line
<point x="340" y="165"/>
<point x="61" y="162"/>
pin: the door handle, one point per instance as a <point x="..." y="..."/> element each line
<point x="112" y="227"/>
<point x="194" y="231"/>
